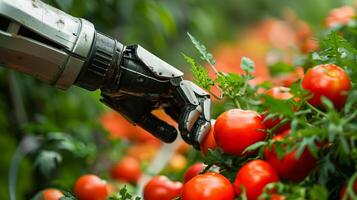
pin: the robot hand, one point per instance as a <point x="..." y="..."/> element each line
<point x="144" y="83"/>
<point x="62" y="50"/>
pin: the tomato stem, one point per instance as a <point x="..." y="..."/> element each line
<point x="316" y="110"/>
<point x="236" y="103"/>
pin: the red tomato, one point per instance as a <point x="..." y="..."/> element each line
<point x="208" y="186"/>
<point x="343" y="190"/>
<point x="51" y="194"/>
<point x="237" y="129"/>
<point x="162" y="188"/>
<point x="194" y="170"/>
<point x="127" y="170"/>
<point x="289" y="167"/>
<point x="208" y="142"/>
<point x="327" y="80"/>
<point x="340" y="16"/>
<point x="254" y="176"/>
<point x="91" y="187"/>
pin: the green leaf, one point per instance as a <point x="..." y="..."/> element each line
<point x="205" y="55"/>
<point x="278" y="106"/>
<point x="280" y="68"/>
<point x="318" y="192"/>
<point x="247" y="64"/>
<point x="200" y="74"/>
<point x="217" y="156"/>
<point x="123" y="195"/>
<point x="255" y="146"/>
<point x="68" y="196"/>
<point x="47" y="161"/>
<point x="327" y="102"/>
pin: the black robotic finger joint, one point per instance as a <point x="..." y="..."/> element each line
<point x="158" y="128"/>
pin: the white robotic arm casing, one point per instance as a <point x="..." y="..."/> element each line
<point x="43" y="41"/>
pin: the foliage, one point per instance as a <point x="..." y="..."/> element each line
<point x="67" y="122"/>
<point x="123" y="195"/>
<point x="311" y="126"/>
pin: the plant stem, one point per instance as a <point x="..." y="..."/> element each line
<point x="236" y="103"/>
<point x="316" y="110"/>
<point x="351" y="117"/>
<point x="282" y="123"/>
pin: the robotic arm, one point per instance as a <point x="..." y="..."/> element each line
<point x="62" y="50"/>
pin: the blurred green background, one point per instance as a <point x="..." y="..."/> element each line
<point x="28" y="107"/>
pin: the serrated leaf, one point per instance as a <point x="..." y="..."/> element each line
<point x="255" y="146"/>
<point x="205" y="55"/>
<point x="247" y="65"/>
<point x="200" y="74"/>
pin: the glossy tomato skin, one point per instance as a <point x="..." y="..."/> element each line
<point x="193" y="171"/>
<point x="288" y="167"/>
<point x="208" y="142"/>
<point x="52" y="194"/>
<point x="237" y="129"/>
<point x="127" y="170"/>
<point x="327" y="80"/>
<point x="91" y="187"/>
<point x="208" y="186"/>
<point x="254" y="176"/>
<point x="162" y="188"/>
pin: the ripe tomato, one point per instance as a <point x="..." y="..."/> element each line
<point x="327" y="80"/>
<point x="289" y="167"/>
<point x="343" y="191"/>
<point x="127" y="170"/>
<point x="208" y="186"/>
<point x="254" y="176"/>
<point x="340" y="16"/>
<point x="208" y="142"/>
<point x="194" y="170"/>
<point x="237" y="129"/>
<point x="162" y="188"/>
<point x="91" y="187"/>
<point x="51" y="194"/>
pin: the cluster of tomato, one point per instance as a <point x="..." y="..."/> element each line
<point x="140" y="149"/>
<point x="234" y="131"/>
